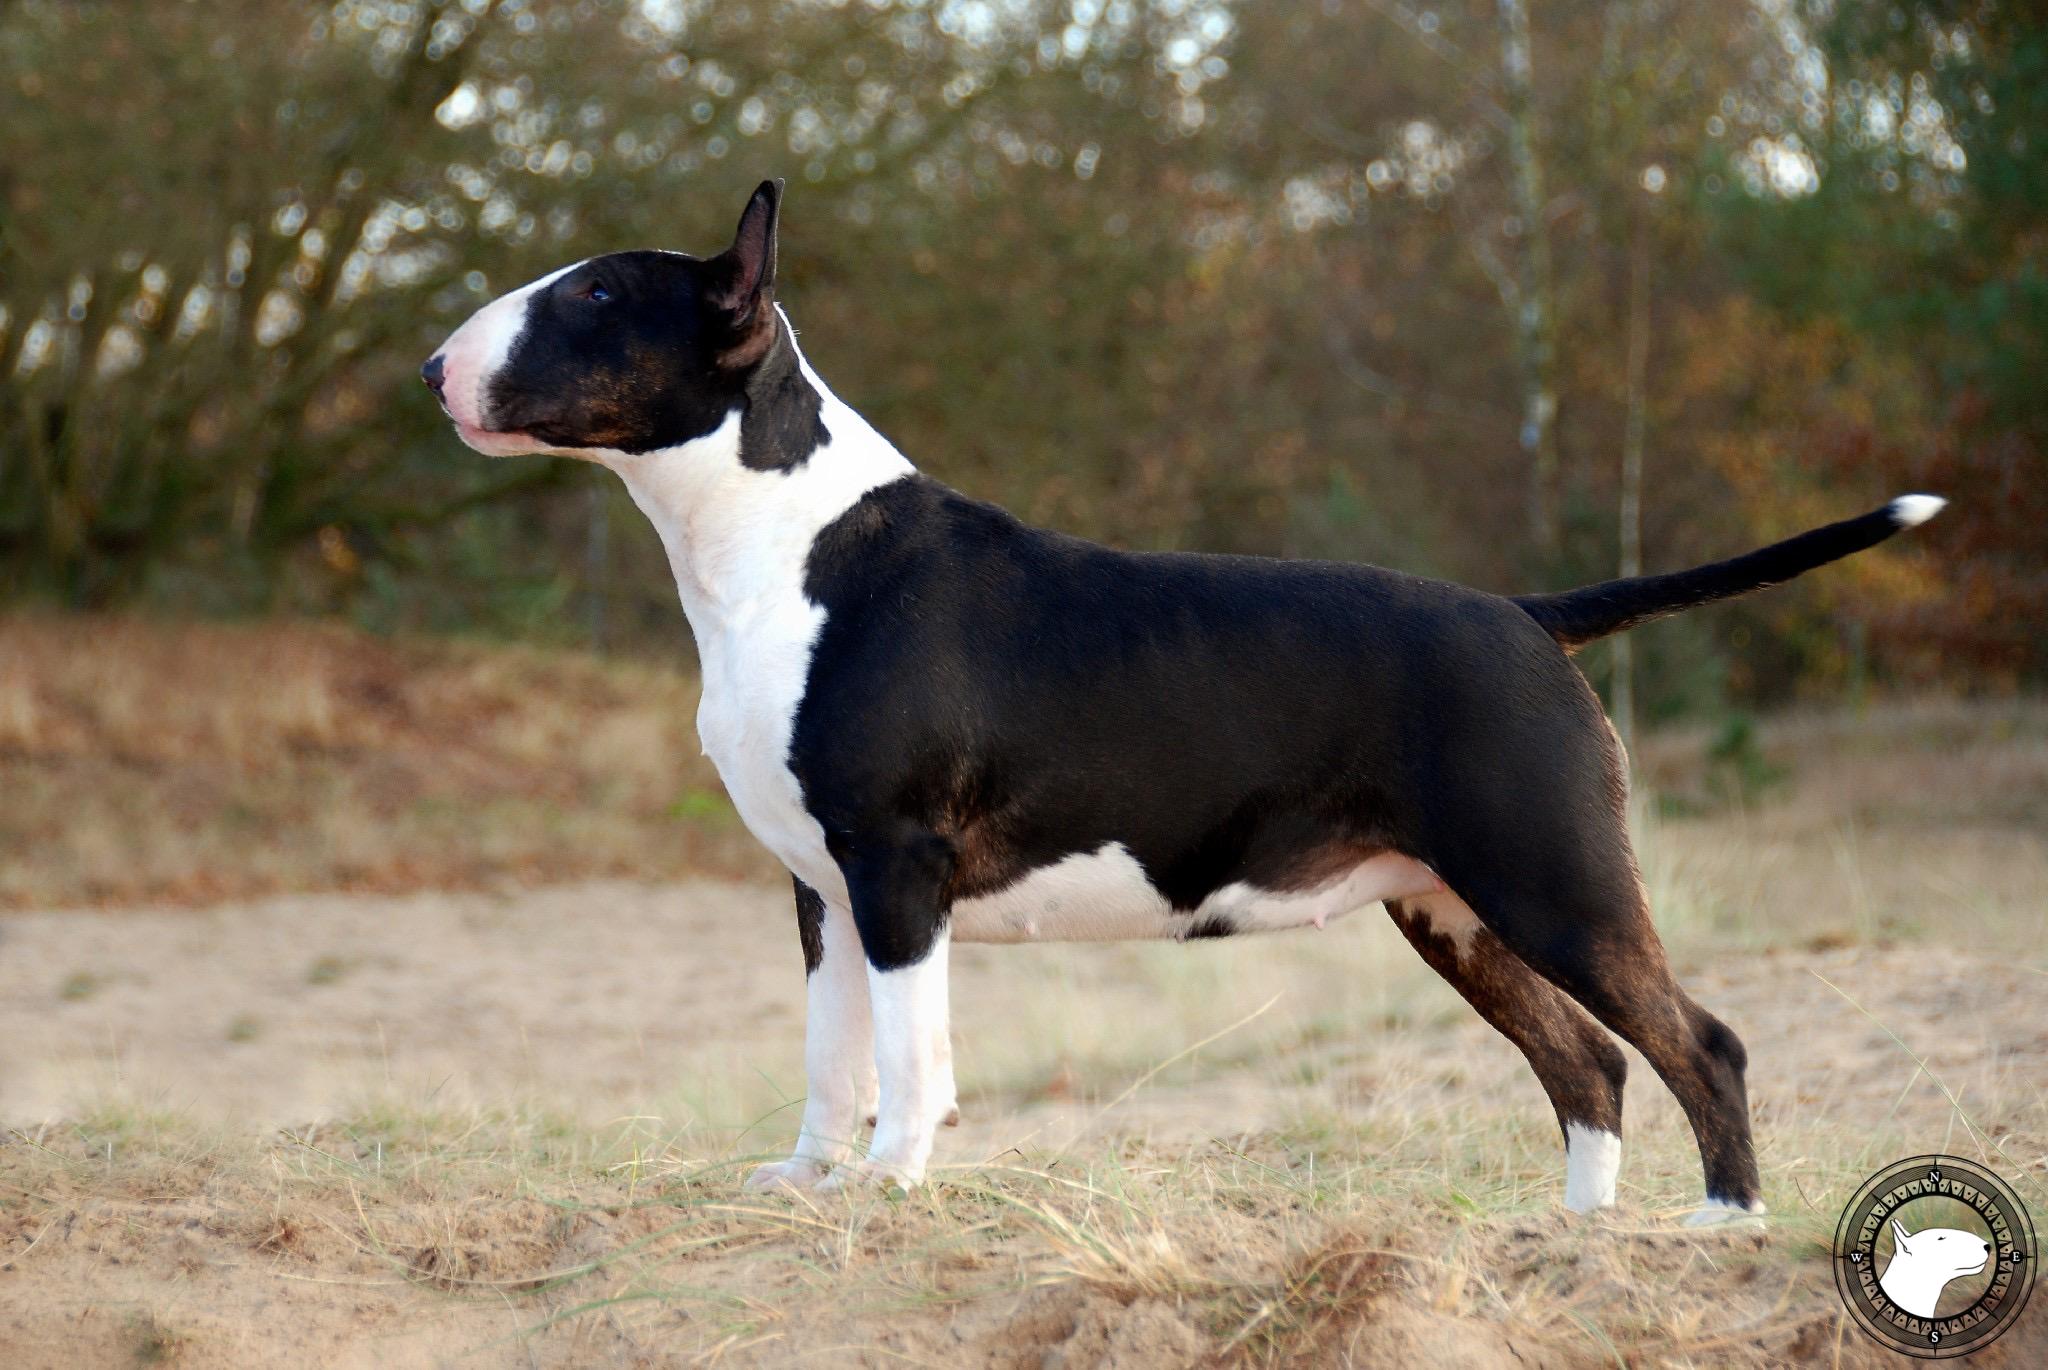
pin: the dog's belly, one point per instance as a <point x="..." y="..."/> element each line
<point x="1104" y="896"/>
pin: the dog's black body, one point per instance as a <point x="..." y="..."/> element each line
<point x="983" y="701"/>
<point x="1025" y="696"/>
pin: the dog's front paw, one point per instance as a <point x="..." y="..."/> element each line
<point x="869" y="1174"/>
<point x="792" y="1174"/>
<point x="952" y="1118"/>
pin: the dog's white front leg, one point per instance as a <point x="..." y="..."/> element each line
<point x="839" y="1059"/>
<point x="914" y="1057"/>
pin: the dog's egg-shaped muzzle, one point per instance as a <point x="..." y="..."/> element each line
<point x="474" y="354"/>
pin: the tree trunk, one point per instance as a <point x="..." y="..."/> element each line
<point x="1631" y="511"/>
<point x="1535" y="314"/>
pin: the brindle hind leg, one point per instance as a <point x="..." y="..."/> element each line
<point x="1579" y="1066"/>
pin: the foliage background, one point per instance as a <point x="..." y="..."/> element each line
<point x="1364" y="278"/>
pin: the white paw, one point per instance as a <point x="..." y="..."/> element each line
<point x="1592" y="1161"/>
<point x="1719" y="1212"/>
<point x="869" y="1174"/>
<point x="791" y="1174"/>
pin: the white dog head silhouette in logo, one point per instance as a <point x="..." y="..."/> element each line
<point x="1924" y="1262"/>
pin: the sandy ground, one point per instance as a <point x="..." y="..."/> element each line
<point x="683" y="1003"/>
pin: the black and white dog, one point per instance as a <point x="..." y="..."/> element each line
<point x="950" y="726"/>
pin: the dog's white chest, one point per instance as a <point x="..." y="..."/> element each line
<point x="754" y="680"/>
<point x="738" y="541"/>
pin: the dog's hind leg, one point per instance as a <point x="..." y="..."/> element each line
<point x="1525" y="819"/>
<point x="839" y="1053"/>
<point x="1569" y="904"/>
<point x="1584" y="924"/>
<point x="1618" y="972"/>
<point x="1578" y="1064"/>
<point x="1630" y="988"/>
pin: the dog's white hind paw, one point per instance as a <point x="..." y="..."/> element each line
<point x="1722" y="1212"/>
<point x="791" y="1174"/>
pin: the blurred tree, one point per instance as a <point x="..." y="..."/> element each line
<point x="1923" y="235"/>
<point x="214" y="333"/>
<point x="1531" y="299"/>
<point x="1170" y="272"/>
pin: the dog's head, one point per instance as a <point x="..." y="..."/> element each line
<point x="625" y="353"/>
<point x="1942" y="1252"/>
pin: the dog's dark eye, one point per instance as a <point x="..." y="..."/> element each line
<point x="596" y="292"/>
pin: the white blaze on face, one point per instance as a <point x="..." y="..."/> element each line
<point x="475" y="353"/>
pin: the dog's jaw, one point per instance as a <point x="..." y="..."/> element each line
<point x="496" y="444"/>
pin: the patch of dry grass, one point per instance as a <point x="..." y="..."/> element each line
<point x="523" y="1238"/>
<point x="1380" y="1189"/>
<point x="198" y="762"/>
<point x="1917" y="820"/>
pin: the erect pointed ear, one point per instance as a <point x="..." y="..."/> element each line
<point x="745" y="286"/>
<point x="1899" y="1235"/>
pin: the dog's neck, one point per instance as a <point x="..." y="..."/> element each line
<point x="738" y="509"/>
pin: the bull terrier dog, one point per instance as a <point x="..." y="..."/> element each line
<point x="1924" y="1262"/>
<point x="951" y="726"/>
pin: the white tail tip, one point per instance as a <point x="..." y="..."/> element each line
<point x="1909" y="511"/>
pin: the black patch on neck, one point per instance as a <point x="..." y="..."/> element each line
<point x="781" y="418"/>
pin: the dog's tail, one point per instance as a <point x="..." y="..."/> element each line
<point x="1577" y="617"/>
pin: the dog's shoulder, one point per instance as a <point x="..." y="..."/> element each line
<point x="911" y="526"/>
